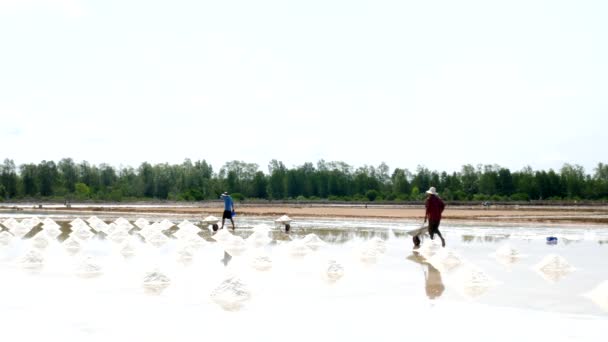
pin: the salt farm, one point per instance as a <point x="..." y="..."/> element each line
<point x="168" y="278"/>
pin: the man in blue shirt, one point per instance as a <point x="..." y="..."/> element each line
<point x="228" y="209"/>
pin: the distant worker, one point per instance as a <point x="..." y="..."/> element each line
<point x="228" y="209"/>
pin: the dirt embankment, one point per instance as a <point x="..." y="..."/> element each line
<point x="544" y="214"/>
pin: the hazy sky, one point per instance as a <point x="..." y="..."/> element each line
<point x="437" y="83"/>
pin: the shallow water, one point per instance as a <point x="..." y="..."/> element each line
<point x="364" y="283"/>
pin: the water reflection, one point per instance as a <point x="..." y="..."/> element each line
<point x="226" y="259"/>
<point x="433" y="284"/>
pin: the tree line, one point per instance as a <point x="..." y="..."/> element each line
<point x="195" y="181"/>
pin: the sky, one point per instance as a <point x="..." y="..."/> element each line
<point x="436" y="83"/>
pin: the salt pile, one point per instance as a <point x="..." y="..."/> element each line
<point x="40" y="241"/>
<point x="10" y="223"/>
<point x="30" y="223"/>
<point x="87" y="267"/>
<point x="222" y="235"/>
<point x="194" y="241"/>
<point x="472" y="282"/>
<point x="211" y="220"/>
<point x="124" y="223"/>
<point x="185" y="252"/>
<point x="51" y="228"/>
<point x="298" y="248"/>
<point x="141" y="222"/>
<point x="553" y="268"/>
<point x="314" y="242"/>
<point x="48" y="223"/>
<point x="445" y="260"/>
<point x="261" y="262"/>
<point x="19" y="230"/>
<point x="82" y="233"/>
<point x="507" y="255"/>
<point x="98" y="224"/>
<point x="71" y="244"/>
<point x="258" y="239"/>
<point x="334" y="271"/>
<point x="186" y="229"/>
<point x="599" y="295"/>
<point x="118" y="235"/>
<point x="261" y="228"/>
<point x="235" y="246"/>
<point x="52" y="233"/>
<point x="78" y="222"/>
<point x="166" y="224"/>
<point x="231" y="294"/>
<point x="157" y="239"/>
<point x="128" y="249"/>
<point x="155" y="282"/>
<point x="32" y="259"/>
<point x="5" y="238"/>
<point x="372" y="249"/>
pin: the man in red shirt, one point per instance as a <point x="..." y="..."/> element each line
<point x="434" y="207"/>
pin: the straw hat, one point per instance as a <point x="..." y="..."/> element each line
<point x="432" y="191"/>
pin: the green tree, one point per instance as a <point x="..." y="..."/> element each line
<point x="8" y="178"/>
<point x="68" y="174"/>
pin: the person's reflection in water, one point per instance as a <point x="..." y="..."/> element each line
<point x="433" y="284"/>
<point x="227" y="258"/>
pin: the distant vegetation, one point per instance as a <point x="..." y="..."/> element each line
<point x="334" y="181"/>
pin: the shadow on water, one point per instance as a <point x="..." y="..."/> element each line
<point x="433" y="284"/>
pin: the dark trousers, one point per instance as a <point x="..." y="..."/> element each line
<point x="433" y="229"/>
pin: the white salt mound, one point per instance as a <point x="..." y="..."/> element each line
<point x="82" y="233"/>
<point x="261" y="228"/>
<point x="123" y="222"/>
<point x="261" y="262"/>
<point x="211" y="219"/>
<point x="334" y="271"/>
<point x="554" y="267"/>
<point x="32" y="257"/>
<point x="157" y="239"/>
<point x="71" y="244"/>
<point x="88" y="267"/>
<point x="188" y="226"/>
<point x="599" y="295"/>
<point x="235" y="246"/>
<point x="155" y="277"/>
<point x="52" y="233"/>
<point x="313" y="241"/>
<point x="231" y="294"/>
<point x="10" y="223"/>
<point x="222" y="235"/>
<point x="48" y="223"/>
<point x="445" y="260"/>
<point x="5" y="238"/>
<point x="19" y="231"/>
<point x="30" y="223"/>
<point x="40" y="241"/>
<point x="259" y="239"/>
<point x="378" y="244"/>
<point x="472" y="282"/>
<point x="141" y="222"/>
<point x="298" y="248"/>
<point x="166" y="224"/>
<point x="78" y="222"/>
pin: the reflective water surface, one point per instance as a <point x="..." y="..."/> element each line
<point x="328" y="279"/>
